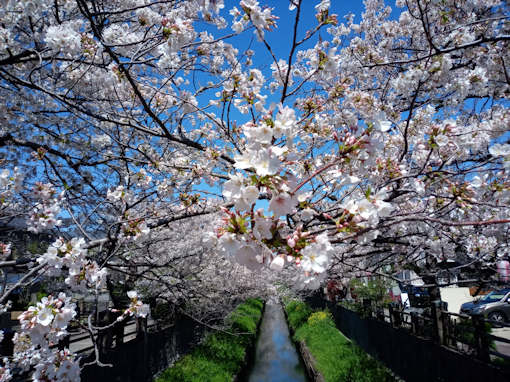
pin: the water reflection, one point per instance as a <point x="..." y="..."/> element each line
<point x="276" y="359"/>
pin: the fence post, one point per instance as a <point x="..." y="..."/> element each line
<point x="141" y="326"/>
<point x="395" y="316"/>
<point x="367" y="307"/>
<point x="437" y="320"/>
<point x="379" y="312"/>
<point x="118" y="329"/>
<point x="481" y="340"/>
<point x="145" y="346"/>
<point x="447" y="327"/>
<point x="414" y="323"/>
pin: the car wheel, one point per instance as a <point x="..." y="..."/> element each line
<point x="497" y="316"/>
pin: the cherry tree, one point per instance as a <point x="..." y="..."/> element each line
<point x="156" y="138"/>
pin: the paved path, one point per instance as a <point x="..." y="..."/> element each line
<point x="502" y="347"/>
<point x="276" y="358"/>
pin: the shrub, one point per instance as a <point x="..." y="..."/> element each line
<point x="316" y="317"/>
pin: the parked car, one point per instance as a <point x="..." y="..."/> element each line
<point x="495" y="306"/>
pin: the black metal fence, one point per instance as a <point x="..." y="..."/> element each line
<point x="434" y="347"/>
<point x="141" y="358"/>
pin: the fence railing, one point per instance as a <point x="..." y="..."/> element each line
<point x="108" y="339"/>
<point x="468" y="334"/>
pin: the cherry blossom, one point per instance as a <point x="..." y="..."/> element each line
<point x="500" y="149"/>
<point x="5" y="249"/>
<point x="136" y="307"/>
<point x="282" y="204"/>
<point x="170" y="141"/>
<point x="47" y="321"/>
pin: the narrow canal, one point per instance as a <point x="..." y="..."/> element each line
<point x="276" y="358"/>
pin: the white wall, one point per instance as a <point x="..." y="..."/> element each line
<point x="455" y="297"/>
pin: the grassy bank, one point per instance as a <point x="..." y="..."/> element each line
<point x="336" y="358"/>
<point x="220" y="356"/>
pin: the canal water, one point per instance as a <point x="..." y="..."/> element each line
<point x="276" y="358"/>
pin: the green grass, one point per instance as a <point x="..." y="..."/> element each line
<point x="297" y="313"/>
<point x="194" y="368"/>
<point x="337" y="358"/>
<point x="221" y="355"/>
<point x="246" y="317"/>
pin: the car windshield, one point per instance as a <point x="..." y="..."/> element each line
<point x="494" y="296"/>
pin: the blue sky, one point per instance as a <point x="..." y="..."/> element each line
<point x="280" y="40"/>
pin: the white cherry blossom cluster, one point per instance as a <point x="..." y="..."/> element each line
<point x="5" y="370"/>
<point x="478" y="246"/>
<point x="62" y="253"/>
<point x="143" y="179"/>
<point x="11" y="184"/>
<point x="12" y="181"/>
<point x="136" y="307"/>
<point x="370" y="209"/>
<point x="5" y="307"/>
<point x="5" y="249"/>
<point x="86" y="275"/>
<point x="211" y="6"/>
<point x="44" y="213"/>
<point x="239" y="237"/>
<point x="101" y="141"/>
<point x="249" y="86"/>
<point x="243" y="195"/>
<point x="177" y="30"/>
<point x="133" y="229"/>
<point x="316" y="256"/>
<point x="261" y="18"/>
<point x="119" y="194"/>
<point x="25" y="354"/>
<point x="71" y="257"/>
<point x="61" y="366"/>
<point x="501" y="150"/>
<point x="64" y="37"/>
<point x="47" y="364"/>
<point x="43" y="325"/>
<point x="47" y="321"/>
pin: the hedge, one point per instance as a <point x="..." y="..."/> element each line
<point x="220" y="357"/>
<point x="336" y="358"/>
